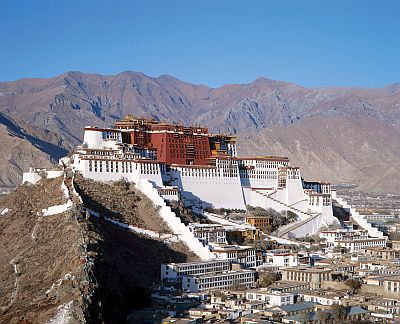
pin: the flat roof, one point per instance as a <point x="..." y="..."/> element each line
<point x="197" y="262"/>
<point x="223" y="248"/>
<point x="287" y="284"/>
<point x="298" y="306"/>
<point x="386" y="278"/>
<point x="311" y="270"/>
<point x="264" y="158"/>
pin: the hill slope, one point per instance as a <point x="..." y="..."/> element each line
<point x="65" y="104"/>
<point x="335" y="149"/>
<point x="73" y="265"/>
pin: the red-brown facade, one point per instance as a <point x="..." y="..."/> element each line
<point x="175" y="144"/>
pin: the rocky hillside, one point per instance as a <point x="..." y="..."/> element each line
<point x="75" y="265"/>
<point x="335" y="149"/>
<point x="264" y="108"/>
<point x="41" y="258"/>
<point x="23" y="146"/>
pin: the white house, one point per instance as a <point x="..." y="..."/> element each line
<point x="271" y="298"/>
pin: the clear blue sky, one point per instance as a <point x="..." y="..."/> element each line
<point x="313" y="43"/>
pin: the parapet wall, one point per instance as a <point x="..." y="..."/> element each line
<point x="360" y="219"/>
<point x="35" y="175"/>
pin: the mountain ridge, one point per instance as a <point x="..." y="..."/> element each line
<point x="63" y="105"/>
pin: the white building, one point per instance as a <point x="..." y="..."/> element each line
<point x="226" y="280"/>
<point x="281" y="258"/>
<point x="34" y="175"/>
<point x="271" y="298"/>
<point x="352" y="240"/>
<point x="357" y="245"/>
<point x="209" y="233"/>
<point x="342" y="234"/>
<point x="381" y="267"/>
<point x="240" y="254"/>
<point x="323" y="299"/>
<point x="175" y="271"/>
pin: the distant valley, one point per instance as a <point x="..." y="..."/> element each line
<point x="335" y="134"/>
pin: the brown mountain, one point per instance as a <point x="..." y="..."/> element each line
<point x="335" y="133"/>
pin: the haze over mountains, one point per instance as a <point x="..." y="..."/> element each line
<point x="336" y="134"/>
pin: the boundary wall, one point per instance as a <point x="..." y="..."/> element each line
<point x="361" y="220"/>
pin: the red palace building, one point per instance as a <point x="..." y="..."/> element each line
<point x="175" y="144"/>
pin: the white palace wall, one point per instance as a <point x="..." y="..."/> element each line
<point x="312" y="226"/>
<point x="93" y="138"/>
<point x="211" y="187"/>
<point x="131" y="171"/>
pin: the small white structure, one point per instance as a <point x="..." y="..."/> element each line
<point x="342" y="234"/>
<point x="281" y="258"/>
<point x="353" y="240"/>
<point x="323" y="299"/>
<point x="34" y="175"/>
<point x="271" y="298"/>
<point x="357" y="245"/>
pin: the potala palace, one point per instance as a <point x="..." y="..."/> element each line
<point x="202" y="169"/>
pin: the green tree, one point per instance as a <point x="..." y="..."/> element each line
<point x="339" y="313"/>
<point x="266" y="279"/>
<point x="220" y="294"/>
<point x="305" y="318"/>
<point x="353" y="284"/>
<point x="323" y="317"/>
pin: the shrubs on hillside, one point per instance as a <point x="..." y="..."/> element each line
<point x="278" y="219"/>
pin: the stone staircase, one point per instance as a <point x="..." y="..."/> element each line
<point x="293" y="226"/>
<point x="308" y="217"/>
<point x="174" y="222"/>
<point x="287" y="207"/>
<point x="359" y="219"/>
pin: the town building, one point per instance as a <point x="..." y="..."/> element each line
<point x="386" y="285"/>
<point x="382" y="253"/>
<point x="314" y="276"/>
<point x="240" y="234"/>
<point x="270" y="298"/>
<point x="289" y="286"/>
<point x="260" y="222"/>
<point x="352" y="240"/>
<point x="175" y="271"/>
<point x="357" y="245"/>
<point x="323" y="297"/>
<point x="342" y="234"/>
<point x="244" y="255"/>
<point x="281" y="258"/>
<point x="209" y="233"/>
<point x="225" y="280"/>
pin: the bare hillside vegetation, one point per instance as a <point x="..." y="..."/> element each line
<point x="40" y="257"/>
<point x="76" y="266"/>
